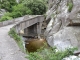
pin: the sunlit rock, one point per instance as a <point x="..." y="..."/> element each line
<point x="72" y="58"/>
<point x="21" y="32"/>
<point x="63" y="30"/>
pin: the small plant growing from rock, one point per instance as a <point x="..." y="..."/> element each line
<point x="70" y="6"/>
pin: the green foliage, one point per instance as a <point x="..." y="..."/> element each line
<point x="17" y="11"/>
<point x="37" y="7"/>
<point x="26" y="7"/>
<point x="20" y="10"/>
<point x="17" y="38"/>
<point x="28" y="1"/>
<point x="70" y="5"/>
<point x="14" y="35"/>
<point x="7" y="4"/>
<point x="50" y="54"/>
<point x="6" y="17"/>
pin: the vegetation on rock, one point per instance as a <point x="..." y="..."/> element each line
<point x="70" y="6"/>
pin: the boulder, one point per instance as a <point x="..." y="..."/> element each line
<point x="63" y="30"/>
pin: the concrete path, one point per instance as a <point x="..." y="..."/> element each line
<point x="8" y="47"/>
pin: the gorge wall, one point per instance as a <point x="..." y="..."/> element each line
<point x="63" y="29"/>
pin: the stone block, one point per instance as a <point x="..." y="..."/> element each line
<point x="10" y="22"/>
<point x="5" y="23"/>
<point x="23" y="25"/>
<point x="1" y="24"/>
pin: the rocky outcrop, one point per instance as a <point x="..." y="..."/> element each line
<point x="63" y="29"/>
<point x="2" y="11"/>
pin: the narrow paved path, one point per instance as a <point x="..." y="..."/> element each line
<point x="8" y="47"/>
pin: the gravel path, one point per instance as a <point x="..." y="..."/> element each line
<point x="8" y="47"/>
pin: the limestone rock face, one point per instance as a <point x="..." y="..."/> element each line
<point x="63" y="30"/>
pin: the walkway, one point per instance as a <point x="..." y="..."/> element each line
<point x="8" y="47"/>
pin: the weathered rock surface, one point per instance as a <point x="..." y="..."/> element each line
<point x="63" y="30"/>
<point x="72" y="58"/>
<point x="2" y="11"/>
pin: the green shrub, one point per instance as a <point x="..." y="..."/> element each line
<point x="27" y="7"/>
<point x="70" y="5"/>
<point x="6" y="17"/>
<point x="16" y="14"/>
<point x="7" y="4"/>
<point x="37" y="7"/>
<point x="7" y="14"/>
<point x="14" y="35"/>
<point x="20" y="10"/>
<point x="28" y="1"/>
<point x="50" y="54"/>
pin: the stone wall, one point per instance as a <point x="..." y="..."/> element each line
<point x="16" y="20"/>
<point x="8" y="22"/>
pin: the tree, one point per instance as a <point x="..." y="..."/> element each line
<point x="37" y="7"/>
<point x="7" y="4"/>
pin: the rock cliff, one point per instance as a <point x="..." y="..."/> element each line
<point x="63" y="30"/>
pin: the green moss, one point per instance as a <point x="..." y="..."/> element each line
<point x="70" y="5"/>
